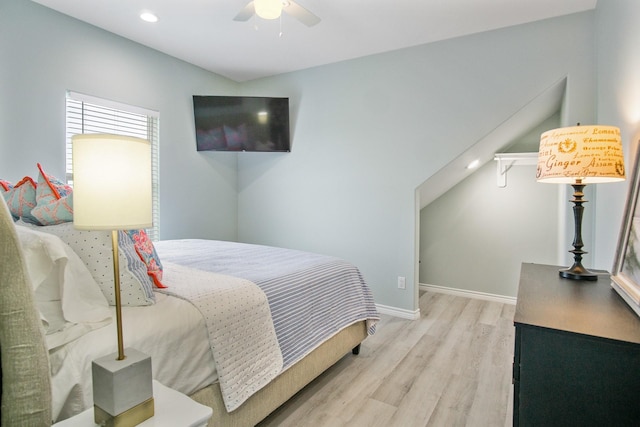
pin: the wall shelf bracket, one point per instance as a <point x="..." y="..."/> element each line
<point x="507" y="160"/>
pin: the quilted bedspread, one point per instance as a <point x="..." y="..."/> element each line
<point x="241" y="332"/>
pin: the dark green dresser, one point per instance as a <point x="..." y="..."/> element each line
<point x="577" y="353"/>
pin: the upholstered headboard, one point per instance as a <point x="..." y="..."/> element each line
<point x="26" y="386"/>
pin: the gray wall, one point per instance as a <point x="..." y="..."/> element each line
<point x="475" y="236"/>
<point x="618" y="104"/>
<point x="43" y="54"/>
<point x="367" y="132"/>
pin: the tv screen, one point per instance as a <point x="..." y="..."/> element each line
<point x="241" y="123"/>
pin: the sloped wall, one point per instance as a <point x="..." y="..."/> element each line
<point x="475" y="236"/>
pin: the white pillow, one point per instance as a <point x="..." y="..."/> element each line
<point x="94" y="249"/>
<point x="68" y="298"/>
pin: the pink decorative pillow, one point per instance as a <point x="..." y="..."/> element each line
<point x="147" y="253"/>
<point x="5" y="186"/>
<point x="21" y="199"/>
<point x="54" y="200"/>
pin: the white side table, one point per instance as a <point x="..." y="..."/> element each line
<point x="172" y="409"/>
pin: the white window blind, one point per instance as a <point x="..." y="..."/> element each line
<point x="87" y="114"/>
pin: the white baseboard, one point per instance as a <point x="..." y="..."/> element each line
<point x="468" y="294"/>
<point x="398" y="312"/>
<point x="415" y="314"/>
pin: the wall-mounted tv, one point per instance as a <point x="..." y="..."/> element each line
<point x="241" y="123"/>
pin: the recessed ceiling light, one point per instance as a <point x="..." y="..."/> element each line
<point x="148" y="16"/>
<point x="473" y="164"/>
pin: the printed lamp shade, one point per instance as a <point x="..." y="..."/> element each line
<point x="587" y="154"/>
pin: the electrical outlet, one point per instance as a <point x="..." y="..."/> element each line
<point x="401" y="283"/>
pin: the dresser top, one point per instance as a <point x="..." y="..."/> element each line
<point x="586" y="307"/>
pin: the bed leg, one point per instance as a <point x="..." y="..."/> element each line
<point x="356" y="350"/>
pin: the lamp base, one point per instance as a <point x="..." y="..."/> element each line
<point x="130" y="417"/>
<point x="122" y="387"/>
<point x="578" y="272"/>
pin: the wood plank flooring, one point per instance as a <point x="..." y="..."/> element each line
<point x="450" y="368"/>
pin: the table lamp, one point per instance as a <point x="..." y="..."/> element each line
<point x="580" y="155"/>
<point x="112" y="191"/>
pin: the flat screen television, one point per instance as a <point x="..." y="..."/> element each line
<point x="241" y="123"/>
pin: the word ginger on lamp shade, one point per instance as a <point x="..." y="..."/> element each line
<point x="591" y="154"/>
<point x="580" y="155"/>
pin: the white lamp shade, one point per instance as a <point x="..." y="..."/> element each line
<point x="111" y="182"/>
<point x="268" y="9"/>
<point x="591" y="154"/>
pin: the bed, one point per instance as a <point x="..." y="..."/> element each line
<point x="320" y="309"/>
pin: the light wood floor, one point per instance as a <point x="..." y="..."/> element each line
<point x="450" y="368"/>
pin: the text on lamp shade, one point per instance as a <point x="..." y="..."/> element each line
<point x="589" y="153"/>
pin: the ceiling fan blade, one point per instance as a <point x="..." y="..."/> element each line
<point x="247" y="12"/>
<point x="300" y="13"/>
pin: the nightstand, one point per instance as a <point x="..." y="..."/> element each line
<point x="172" y="409"/>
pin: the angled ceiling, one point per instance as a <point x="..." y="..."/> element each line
<point x="203" y="32"/>
<point x="521" y="122"/>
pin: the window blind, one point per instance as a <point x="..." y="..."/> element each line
<point x="87" y="114"/>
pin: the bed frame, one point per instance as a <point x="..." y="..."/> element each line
<point x="283" y="387"/>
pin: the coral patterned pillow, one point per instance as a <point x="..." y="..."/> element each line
<point x="21" y="199"/>
<point x="5" y="186"/>
<point x="54" y="200"/>
<point x="147" y="253"/>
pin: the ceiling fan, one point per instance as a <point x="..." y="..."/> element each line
<point x="272" y="9"/>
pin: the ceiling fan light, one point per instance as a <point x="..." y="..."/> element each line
<point x="268" y="9"/>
